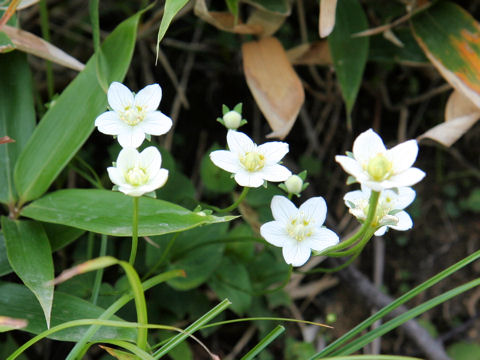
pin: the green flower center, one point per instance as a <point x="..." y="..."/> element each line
<point x="253" y="161"/>
<point x="132" y="115"/>
<point x="136" y="176"/>
<point x="379" y="167"/>
<point x="300" y="228"/>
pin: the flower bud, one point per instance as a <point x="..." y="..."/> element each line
<point x="232" y="120"/>
<point x="294" y="184"/>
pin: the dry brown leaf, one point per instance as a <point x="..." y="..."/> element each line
<point x="269" y="21"/>
<point x="460" y="115"/>
<point x="274" y="84"/>
<point x="35" y="45"/>
<point x="326" y="18"/>
<point x="22" y="5"/>
<point x="224" y="20"/>
<point x="316" y="53"/>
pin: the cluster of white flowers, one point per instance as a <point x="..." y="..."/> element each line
<point x="132" y="118"/>
<point x="389" y="172"/>
<point x="299" y="231"/>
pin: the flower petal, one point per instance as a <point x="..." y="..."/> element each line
<point x="115" y="175"/>
<point x="366" y="145"/>
<point x="239" y="143"/>
<point x="404" y="221"/>
<point x="127" y="159"/>
<point x="131" y="190"/>
<point x="406" y="178"/>
<point x="403" y="155"/>
<point x="315" y="209"/>
<point x="274" y="151"/>
<point x="405" y="197"/>
<point x="158" y="180"/>
<point x="296" y="253"/>
<point x="283" y="210"/>
<point x="131" y="137"/>
<point x="275" y="173"/>
<point x="150" y="159"/>
<point x="149" y="97"/>
<point x="109" y="123"/>
<point x="350" y="166"/>
<point x="226" y="160"/>
<point x="155" y="123"/>
<point x="381" y="231"/>
<point x="274" y="233"/>
<point x="354" y="196"/>
<point x="321" y="239"/>
<point x="119" y="96"/>
<point x="248" y="179"/>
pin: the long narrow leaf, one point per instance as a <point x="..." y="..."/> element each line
<point x="69" y="122"/>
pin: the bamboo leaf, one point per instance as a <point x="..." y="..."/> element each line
<point x="110" y="213"/>
<point x="17" y="117"/>
<point x="68" y="123"/>
<point x="30" y="256"/>
<point x="349" y="54"/>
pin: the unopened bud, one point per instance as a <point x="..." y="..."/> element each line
<point x="294" y="184"/>
<point x="232" y="120"/>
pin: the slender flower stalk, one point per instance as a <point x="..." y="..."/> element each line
<point x="133" y="251"/>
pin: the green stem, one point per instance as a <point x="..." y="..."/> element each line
<point x="237" y="202"/>
<point x="99" y="275"/>
<point x="234" y="205"/>
<point x="372" y="207"/>
<point x="163" y="257"/>
<point x="133" y="252"/>
<point x="358" y="246"/>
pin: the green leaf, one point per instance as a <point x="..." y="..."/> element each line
<point x="464" y="351"/>
<point x="172" y="7"/>
<point x="110" y="213"/>
<point x="69" y="122"/>
<point x="449" y="37"/>
<point x="349" y="54"/>
<point x="4" y="264"/>
<point x="233" y="8"/>
<point x="30" y="256"/>
<point x="17" y="116"/>
<point x="214" y="178"/>
<point x="198" y="253"/>
<point x="231" y="280"/>
<point x="17" y="301"/>
<point x="6" y="43"/>
<point x="58" y="236"/>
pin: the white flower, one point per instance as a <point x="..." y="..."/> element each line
<point x="378" y="168"/>
<point x="252" y="164"/>
<point x="232" y="119"/>
<point x="137" y="173"/>
<point x="294" y="184"/>
<point x="298" y="231"/>
<point x="133" y="116"/>
<point x="389" y="212"/>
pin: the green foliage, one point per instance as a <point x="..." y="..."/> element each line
<point x="463" y="351"/>
<point x="349" y="54"/>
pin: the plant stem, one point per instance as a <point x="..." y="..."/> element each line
<point x="133" y="252"/>
<point x="98" y="276"/>
<point x="234" y="205"/>
<point x="372" y="207"/>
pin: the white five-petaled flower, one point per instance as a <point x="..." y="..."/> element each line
<point x="133" y="116"/>
<point x="378" y="168"/>
<point x="389" y="212"/>
<point x="298" y="231"/>
<point x="252" y="164"/>
<point x="137" y="173"/>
